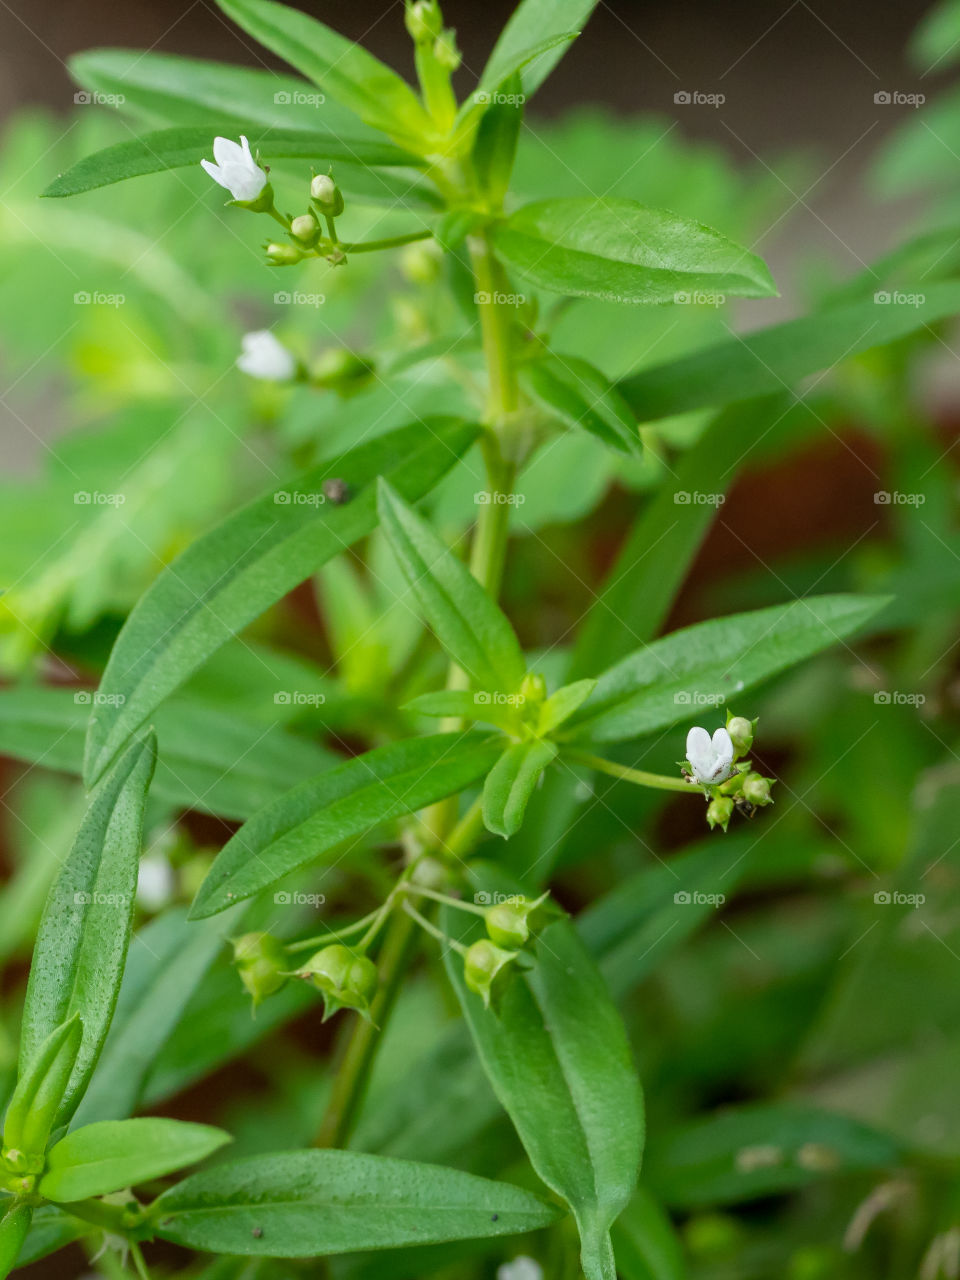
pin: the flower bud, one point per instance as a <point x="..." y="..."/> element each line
<point x="446" y="52"/>
<point x="340" y="370"/>
<point x="533" y="689"/>
<point x="756" y="789"/>
<point x="719" y="811"/>
<point x="424" y="20"/>
<point x="741" y="732"/>
<point x="305" y="228"/>
<point x="486" y="970"/>
<point x="430" y="873"/>
<point x="421" y="263"/>
<point x="326" y="195"/>
<point x="262" y="964"/>
<point x="282" y="255"/>
<point x="345" y="978"/>
<point x="513" y="924"/>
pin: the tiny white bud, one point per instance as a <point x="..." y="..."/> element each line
<point x="327" y="195"/>
<point x="235" y="169"/>
<point x="521" y="1268"/>
<point x="265" y="356"/>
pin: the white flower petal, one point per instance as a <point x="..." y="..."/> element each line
<point x="226" y="151"/>
<point x="265" y="356"/>
<point x="723" y="747"/>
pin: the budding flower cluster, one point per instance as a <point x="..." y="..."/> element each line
<point x="729" y="782"/>
<point x="262" y="964"/>
<point x="511" y="925"/>
<point x="346" y="979"/>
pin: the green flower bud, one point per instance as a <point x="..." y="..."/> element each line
<point x="486" y="970"/>
<point x="719" y="811"/>
<point x="741" y="731"/>
<point x="340" y="370"/>
<point x="421" y="263"/>
<point x="430" y="873"/>
<point x="262" y="964"/>
<point x="305" y="228"/>
<point x="446" y="52"/>
<point x="282" y="255"/>
<point x="345" y="978"/>
<point x="533" y="689"/>
<point x="513" y="924"/>
<point x="756" y="789"/>
<point x="326" y="195"/>
<point x="424" y="20"/>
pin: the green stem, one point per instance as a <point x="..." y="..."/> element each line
<point x="659" y="781"/>
<point x="457" y="903"/>
<point x="432" y="929"/>
<point x="391" y="242"/>
<point x="333" y="935"/>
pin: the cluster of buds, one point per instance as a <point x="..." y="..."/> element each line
<point x="511" y="925"/>
<point x="425" y="25"/>
<point x="717" y="764"/>
<point x="306" y="234"/>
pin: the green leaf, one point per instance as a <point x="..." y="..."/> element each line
<point x="52" y="1229"/>
<point x="495" y="145"/>
<point x="558" y="1059"/>
<point x="41" y="1089"/>
<point x="707" y="664"/>
<point x="85" y="930"/>
<point x="188" y="145"/>
<point x="744" y="1153"/>
<point x="312" y="819"/>
<point x="465" y="705"/>
<point x="560" y="706"/>
<point x="217" y="761"/>
<point x="646" y="1244"/>
<point x="470" y="626"/>
<point x="657" y="553"/>
<point x="510" y="783"/>
<point x="620" y="251"/>
<point x="580" y="396"/>
<point x="341" y="67"/>
<point x="301" y="1204"/>
<point x="233" y="573"/>
<point x="167" y="89"/>
<point x="14" y="1226"/>
<point x="508" y="88"/>
<point x="533" y="22"/>
<point x="111" y="1155"/>
<point x="935" y="42"/>
<point x="776" y="359"/>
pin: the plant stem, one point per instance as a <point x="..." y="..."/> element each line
<point x="457" y="903"/>
<point x="432" y="929"/>
<point x="659" y="781"/>
<point x="391" y="242"/>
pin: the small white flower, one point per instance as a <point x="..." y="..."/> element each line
<point x="265" y="356"/>
<point x="236" y="169"/>
<point x="521" y="1268"/>
<point x="709" y="758"/>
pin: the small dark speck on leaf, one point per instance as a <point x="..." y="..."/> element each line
<point x="494" y="1217"/>
<point x="336" y="490"/>
<point x="257" y="1232"/>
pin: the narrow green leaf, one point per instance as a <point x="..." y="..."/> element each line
<point x="560" y="706"/>
<point x="341" y="67"/>
<point x="708" y="1161"/>
<point x="510" y="783"/>
<point x="189" y="144"/>
<point x="558" y="1059"/>
<point x="492" y="96"/>
<point x="646" y="1244"/>
<point x="657" y="553"/>
<point x="464" y="704"/>
<point x="469" y="625"/>
<point x="312" y="819"/>
<point x="776" y="359"/>
<point x="531" y="22"/>
<point x="621" y="251"/>
<point x="233" y="573"/>
<point x="99" y="1158"/>
<point x="40" y="1090"/>
<point x="713" y="662"/>
<point x="495" y="145"/>
<point x="14" y="1226"/>
<point x="580" y="396"/>
<point x="302" y="1204"/>
<point x="85" y="930"/>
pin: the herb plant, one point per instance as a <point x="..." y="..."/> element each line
<point x="400" y="829"/>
